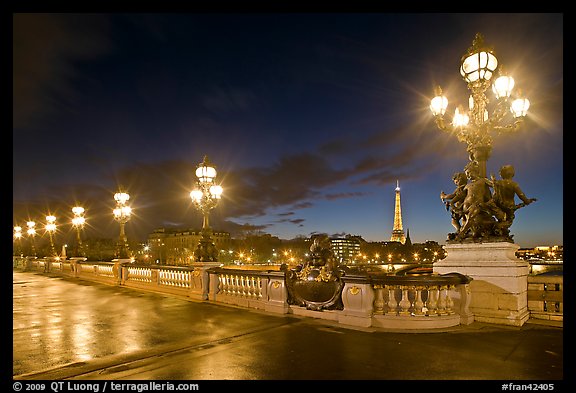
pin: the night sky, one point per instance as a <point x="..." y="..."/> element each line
<point x="309" y="118"/>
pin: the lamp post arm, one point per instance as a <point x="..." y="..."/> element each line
<point x="442" y="125"/>
<point x="509" y="127"/>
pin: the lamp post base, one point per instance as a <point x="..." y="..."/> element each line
<point x="206" y="250"/>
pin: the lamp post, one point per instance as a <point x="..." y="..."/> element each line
<point x="18" y="239"/>
<point x="122" y="214"/>
<point x="51" y="228"/>
<point x="31" y="231"/>
<point x="78" y="222"/>
<point x="479" y="67"/>
<point x="205" y="197"/>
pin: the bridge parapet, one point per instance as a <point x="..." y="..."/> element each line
<point x="427" y="301"/>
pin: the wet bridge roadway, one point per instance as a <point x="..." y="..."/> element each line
<point x="65" y="328"/>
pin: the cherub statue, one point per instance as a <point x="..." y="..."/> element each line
<point x="476" y="205"/>
<point x="453" y="201"/>
<point x="505" y="191"/>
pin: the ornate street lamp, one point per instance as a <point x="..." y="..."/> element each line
<point x="122" y="214"/>
<point x="78" y="222"/>
<point x="18" y="239"/>
<point x="480" y="69"/>
<point x="205" y="197"/>
<point x="476" y="214"/>
<point x="31" y="231"/>
<point x="51" y="228"/>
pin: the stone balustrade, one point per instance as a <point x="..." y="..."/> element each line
<point x="265" y="290"/>
<point x="379" y="300"/>
<point x="546" y="297"/>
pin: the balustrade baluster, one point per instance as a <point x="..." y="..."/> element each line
<point x="432" y="301"/>
<point x="253" y="292"/>
<point x="221" y="284"/>
<point x="258" y="288"/>
<point x="442" y="300"/>
<point x="247" y="287"/>
<point x="228" y="282"/>
<point x="392" y="303"/>
<point x="241" y="286"/>
<point x="404" y="303"/>
<point x="449" y="301"/>
<point x="235" y="280"/>
<point x="418" y="303"/>
<point x="234" y="285"/>
<point x="249" y="290"/>
<point x="378" y="300"/>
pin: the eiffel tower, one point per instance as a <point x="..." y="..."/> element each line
<point x="397" y="231"/>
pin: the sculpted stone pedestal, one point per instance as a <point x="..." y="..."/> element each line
<point x="500" y="280"/>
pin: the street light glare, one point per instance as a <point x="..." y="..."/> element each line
<point x="196" y="195"/>
<point x="478" y="66"/>
<point x="520" y="107"/>
<point x="438" y="105"/>
<point x="503" y="86"/>
<point x="205" y="173"/>
<point x="216" y="191"/>
<point x="121" y="197"/>
<point x="78" y="221"/>
<point x="460" y="119"/>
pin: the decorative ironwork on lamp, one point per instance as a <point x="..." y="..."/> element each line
<point x="484" y="215"/>
<point x="78" y="222"/>
<point x="122" y="214"/>
<point x="479" y="67"/>
<point x="205" y="197"/>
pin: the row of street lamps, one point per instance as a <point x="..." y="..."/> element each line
<point x="205" y="197"/>
<point x="50" y="228"/>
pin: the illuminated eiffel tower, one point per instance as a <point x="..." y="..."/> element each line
<point x="397" y="231"/>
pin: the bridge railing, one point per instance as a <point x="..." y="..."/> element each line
<point x="371" y="300"/>
<point x="546" y="297"/>
<point x="265" y="290"/>
<point x="403" y="302"/>
<point x="180" y="281"/>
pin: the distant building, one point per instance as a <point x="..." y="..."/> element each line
<point x="177" y="246"/>
<point x="549" y="253"/>
<point x="346" y="249"/>
<point x="397" y="231"/>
